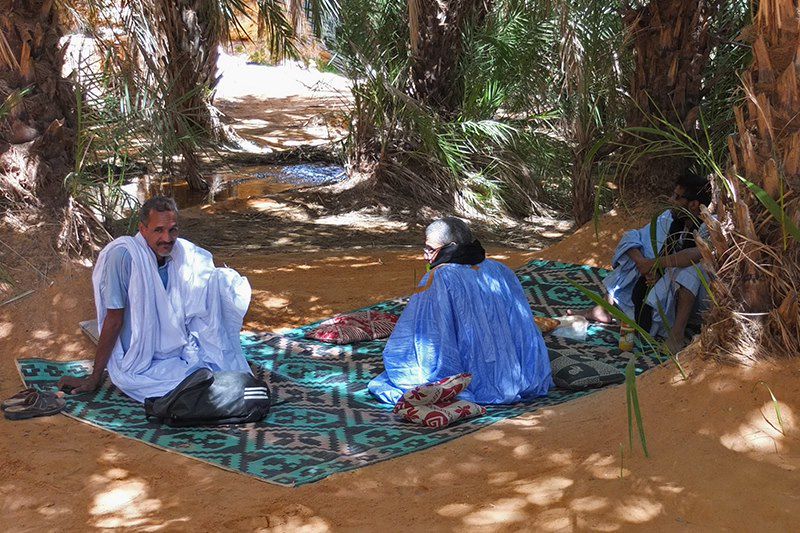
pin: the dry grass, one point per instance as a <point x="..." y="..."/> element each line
<point x="756" y="271"/>
<point x="754" y="250"/>
<point x="7" y="58"/>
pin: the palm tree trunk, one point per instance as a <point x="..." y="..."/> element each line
<point x="38" y="134"/>
<point x="435" y="46"/>
<point x="193" y="31"/>
<point x="583" y="189"/>
<point x="435" y="30"/>
<point x="671" y="47"/>
<point x="189" y="64"/>
<point x="755" y="253"/>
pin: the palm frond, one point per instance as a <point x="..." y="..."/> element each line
<point x="11" y="101"/>
<point x="275" y="26"/>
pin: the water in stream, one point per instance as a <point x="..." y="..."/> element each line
<point x="239" y="183"/>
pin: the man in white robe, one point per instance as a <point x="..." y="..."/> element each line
<point x="163" y="310"/>
<point x="673" y="289"/>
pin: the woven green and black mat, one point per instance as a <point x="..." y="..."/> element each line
<point x="324" y="420"/>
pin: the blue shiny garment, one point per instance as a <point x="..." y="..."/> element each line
<point x="466" y="318"/>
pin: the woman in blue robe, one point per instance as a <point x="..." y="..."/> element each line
<point x="469" y="314"/>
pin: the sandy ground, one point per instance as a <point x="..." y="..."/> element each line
<point x="718" y="457"/>
<point x="304" y="105"/>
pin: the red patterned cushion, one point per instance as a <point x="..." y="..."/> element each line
<point x="441" y="391"/>
<point x="354" y="327"/>
<point x="440" y="414"/>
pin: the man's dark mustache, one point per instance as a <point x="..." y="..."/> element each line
<point x="162" y="243"/>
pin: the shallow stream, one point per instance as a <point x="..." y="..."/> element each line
<point x="239" y="183"/>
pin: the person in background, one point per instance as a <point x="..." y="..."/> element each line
<point x="673" y="289"/>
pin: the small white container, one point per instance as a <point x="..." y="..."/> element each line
<point x="572" y="327"/>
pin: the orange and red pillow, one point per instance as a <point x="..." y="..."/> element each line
<point x="440" y="414"/>
<point x="354" y="327"/>
<point x="443" y="390"/>
<point x="435" y="405"/>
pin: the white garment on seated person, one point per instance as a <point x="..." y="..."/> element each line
<point x="663" y="297"/>
<point x="621" y="281"/>
<point x="194" y="323"/>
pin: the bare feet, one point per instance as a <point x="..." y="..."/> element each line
<point x="595" y="314"/>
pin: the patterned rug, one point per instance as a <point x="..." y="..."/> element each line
<point x="324" y="420"/>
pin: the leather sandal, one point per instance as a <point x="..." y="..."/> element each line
<point x="36" y="404"/>
<point x="18" y="398"/>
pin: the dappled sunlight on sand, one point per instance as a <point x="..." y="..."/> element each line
<point x="561" y="457"/>
<point x="501" y="478"/>
<point x="455" y="510"/>
<point x="723" y="385"/>
<point x="444" y="478"/>
<point x="469" y="467"/>
<point x="290" y="211"/>
<point x="5" y="329"/>
<point x="545" y="504"/>
<point x="496" y="514"/>
<point x="543" y="491"/>
<point x="554" y="519"/>
<point x="122" y="503"/>
<point x="14" y="498"/>
<point x="638" y="509"/>
<point x="273" y="301"/>
<point x="523" y="450"/>
<point x="589" y="504"/>
<point x="761" y="431"/>
<point x="367" y="264"/>
<point x="603" y="466"/>
<point x="122" y="500"/>
<point x="489" y="435"/>
<point x="520" y="445"/>
<point x="363" y="220"/>
<point x="667" y="486"/>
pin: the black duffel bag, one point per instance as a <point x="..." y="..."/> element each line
<point x="207" y="398"/>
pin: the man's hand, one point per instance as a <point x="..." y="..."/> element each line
<point x="108" y="337"/>
<point x="79" y="385"/>
<point x="644" y="265"/>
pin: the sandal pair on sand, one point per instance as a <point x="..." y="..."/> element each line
<point x="30" y="403"/>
